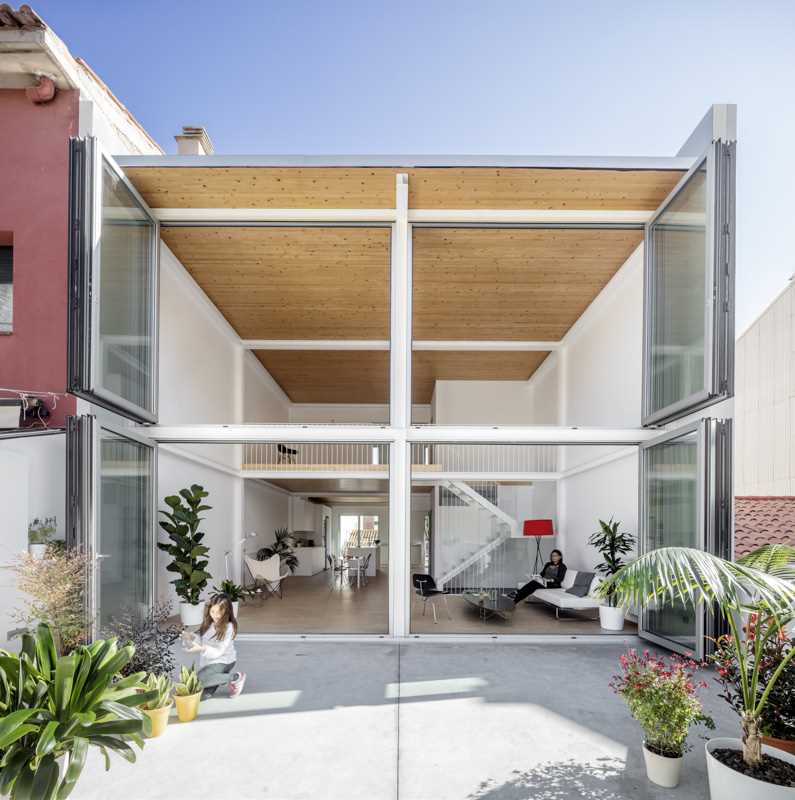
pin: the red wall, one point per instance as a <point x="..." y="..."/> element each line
<point x="34" y="202"/>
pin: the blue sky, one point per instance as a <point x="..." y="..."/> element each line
<point x="567" y="78"/>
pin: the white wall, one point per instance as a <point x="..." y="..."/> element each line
<point x="263" y="398"/>
<point x="483" y="403"/>
<point x="265" y="510"/>
<point x="343" y="413"/>
<point x="765" y="402"/>
<point x="32" y="484"/>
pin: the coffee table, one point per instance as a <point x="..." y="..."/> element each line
<point x="488" y="606"/>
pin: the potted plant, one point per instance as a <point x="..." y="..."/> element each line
<point x="54" y="589"/>
<point x="40" y="534"/>
<point x="53" y="708"/>
<point x="661" y="696"/>
<point x="188" y="694"/>
<point x="283" y="547"/>
<point x="612" y="543"/>
<point x="233" y="591"/>
<point x="188" y="560"/>
<point x="763" y="598"/>
<point x="158" y="708"/>
<point x="777" y="718"/>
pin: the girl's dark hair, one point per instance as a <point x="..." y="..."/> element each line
<point x="555" y="551"/>
<point x="227" y="619"/>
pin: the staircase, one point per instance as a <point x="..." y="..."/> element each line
<point x="502" y="527"/>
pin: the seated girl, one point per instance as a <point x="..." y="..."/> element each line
<point x="217" y="649"/>
<point x="552" y="576"/>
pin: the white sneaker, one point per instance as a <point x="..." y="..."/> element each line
<point x="236" y="684"/>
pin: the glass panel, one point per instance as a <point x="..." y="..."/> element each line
<point x="679" y="304"/>
<point x="672" y="520"/>
<point x="123" y="546"/>
<point x="126" y="301"/>
<point x="6" y="289"/>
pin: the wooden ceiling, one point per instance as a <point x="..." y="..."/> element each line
<point x="362" y="376"/>
<point x="518" y="188"/>
<point x="510" y="283"/>
<point x="292" y="283"/>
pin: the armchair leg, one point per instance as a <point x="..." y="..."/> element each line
<point x="447" y="608"/>
<point x="433" y="606"/>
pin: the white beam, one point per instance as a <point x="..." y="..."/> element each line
<point x="253" y="433"/>
<point x="423" y="477"/>
<point x="241" y="216"/>
<point x="486" y="346"/>
<point x="520" y="434"/>
<point x="383" y="344"/>
<point x="541" y="216"/>
<point x="399" y="538"/>
<point x="316" y="344"/>
<point x="316" y="474"/>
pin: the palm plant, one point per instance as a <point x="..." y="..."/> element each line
<point x="232" y="590"/>
<point x="759" y="601"/>
<point x="612" y="543"/>
<point x="187" y="553"/>
<point x="283" y="547"/>
<point x="54" y="708"/>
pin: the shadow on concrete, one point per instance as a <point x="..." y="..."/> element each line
<point x="559" y="780"/>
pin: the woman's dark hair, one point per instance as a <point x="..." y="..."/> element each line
<point x="558" y="552"/>
<point x="228" y="617"/>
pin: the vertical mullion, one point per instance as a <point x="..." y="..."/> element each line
<point x="400" y="293"/>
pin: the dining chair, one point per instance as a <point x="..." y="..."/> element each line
<point x="425" y="588"/>
<point x="339" y="571"/>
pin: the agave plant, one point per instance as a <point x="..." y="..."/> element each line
<point x="188" y="683"/>
<point x="54" y="708"/>
<point x="753" y="595"/>
<point x="161" y="687"/>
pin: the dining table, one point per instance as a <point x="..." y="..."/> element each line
<point x="354" y="562"/>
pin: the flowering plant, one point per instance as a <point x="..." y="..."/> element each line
<point x="661" y="696"/>
<point x="767" y="651"/>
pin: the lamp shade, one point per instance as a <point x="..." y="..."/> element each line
<point x="538" y="527"/>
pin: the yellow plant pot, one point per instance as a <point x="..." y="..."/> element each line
<point x="188" y="706"/>
<point x="159" y="717"/>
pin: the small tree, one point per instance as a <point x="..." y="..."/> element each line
<point x="612" y="543"/>
<point x="181" y="524"/>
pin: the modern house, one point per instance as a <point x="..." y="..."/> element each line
<point x="402" y="358"/>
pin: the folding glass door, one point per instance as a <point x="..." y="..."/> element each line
<point x="685" y="501"/>
<point x="111" y="505"/>
<point x="689" y="291"/>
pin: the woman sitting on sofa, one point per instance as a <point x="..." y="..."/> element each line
<point x="553" y="573"/>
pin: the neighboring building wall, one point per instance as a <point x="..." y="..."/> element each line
<point x="764" y="462"/>
<point x="34" y="164"/>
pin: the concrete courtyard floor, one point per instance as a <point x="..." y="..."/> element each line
<point x="419" y="721"/>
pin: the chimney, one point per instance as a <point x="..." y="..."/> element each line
<point x="193" y="142"/>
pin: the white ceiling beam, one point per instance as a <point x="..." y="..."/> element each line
<point x="383" y="344"/>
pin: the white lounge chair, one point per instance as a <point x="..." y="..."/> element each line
<point x="268" y="574"/>
<point x="561" y="600"/>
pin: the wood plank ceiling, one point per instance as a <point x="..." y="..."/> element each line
<point x="333" y="282"/>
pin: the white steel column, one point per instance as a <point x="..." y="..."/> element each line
<point x="400" y="413"/>
<point x="399" y="522"/>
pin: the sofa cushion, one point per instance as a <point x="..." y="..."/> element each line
<point x="562" y="599"/>
<point x="581" y="585"/>
<point x="569" y="578"/>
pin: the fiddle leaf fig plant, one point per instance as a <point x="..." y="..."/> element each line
<point x="181" y="523"/>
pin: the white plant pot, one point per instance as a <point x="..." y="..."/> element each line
<point x="235" y="607"/>
<point x="611" y="619"/>
<point x="191" y="615"/>
<point x="728" y="784"/>
<point x="37" y="551"/>
<point x="662" y="770"/>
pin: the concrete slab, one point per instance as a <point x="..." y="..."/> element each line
<point x="423" y="721"/>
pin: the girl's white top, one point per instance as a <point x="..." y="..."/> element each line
<point x="215" y="651"/>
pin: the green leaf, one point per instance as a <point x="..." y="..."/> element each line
<point x="198" y="576"/>
<point x="11" y="724"/>
<point x="65" y="669"/>
<point x="45" y="781"/>
<point x="14" y="762"/>
<point x="117" y="745"/>
<point x="173" y="501"/>
<point x="47" y="740"/>
<point x="77" y="760"/>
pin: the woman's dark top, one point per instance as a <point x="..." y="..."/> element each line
<point x="553" y="574"/>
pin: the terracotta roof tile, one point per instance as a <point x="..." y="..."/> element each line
<point x="24" y="18"/>
<point x="763" y="520"/>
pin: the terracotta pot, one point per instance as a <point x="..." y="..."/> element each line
<point x="662" y="770"/>
<point x="726" y="783"/>
<point x="787" y="745"/>
<point x="188" y="706"/>
<point x="159" y="717"/>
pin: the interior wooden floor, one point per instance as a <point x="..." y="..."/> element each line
<point x="310" y="605"/>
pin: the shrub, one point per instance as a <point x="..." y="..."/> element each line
<point x="55" y="589"/>
<point x="661" y="696"/>
<point x="152" y="635"/>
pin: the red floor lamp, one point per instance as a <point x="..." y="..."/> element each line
<point x="538" y="528"/>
